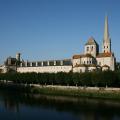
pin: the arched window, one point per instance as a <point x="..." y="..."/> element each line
<point x="87" y="48"/>
<point x="92" y="48"/>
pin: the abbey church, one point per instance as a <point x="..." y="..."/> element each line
<point x="91" y="60"/>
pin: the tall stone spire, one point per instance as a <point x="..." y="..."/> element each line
<point x="106" y="32"/>
<point x="106" y="48"/>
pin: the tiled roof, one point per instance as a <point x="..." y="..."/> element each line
<point x="76" y="56"/>
<point x="81" y="56"/>
<point x="103" y="55"/>
<point x="88" y="55"/>
<point x="91" y="41"/>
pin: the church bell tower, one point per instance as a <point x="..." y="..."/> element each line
<point x="106" y="48"/>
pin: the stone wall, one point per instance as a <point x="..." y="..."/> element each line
<point x="45" y="69"/>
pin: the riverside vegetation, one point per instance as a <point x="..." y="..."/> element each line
<point x="99" y="79"/>
<point x="21" y="82"/>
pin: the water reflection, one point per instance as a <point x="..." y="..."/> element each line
<point x="24" y="106"/>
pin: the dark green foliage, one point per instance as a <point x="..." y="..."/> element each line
<point x="99" y="79"/>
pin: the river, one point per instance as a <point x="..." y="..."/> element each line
<point x="16" y="106"/>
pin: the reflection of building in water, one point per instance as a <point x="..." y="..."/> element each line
<point x="90" y="60"/>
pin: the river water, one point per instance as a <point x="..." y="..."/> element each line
<point x="16" y="106"/>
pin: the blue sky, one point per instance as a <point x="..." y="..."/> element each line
<point x="55" y="29"/>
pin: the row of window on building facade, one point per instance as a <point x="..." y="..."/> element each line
<point x="88" y="48"/>
<point x="53" y="63"/>
<point x="92" y="62"/>
<point x="91" y="48"/>
<point x="46" y="63"/>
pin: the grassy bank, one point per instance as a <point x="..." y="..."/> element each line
<point x="101" y="94"/>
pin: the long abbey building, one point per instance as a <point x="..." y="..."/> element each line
<point x="91" y="60"/>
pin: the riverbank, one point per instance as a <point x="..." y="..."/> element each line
<point x="89" y="92"/>
<point x="72" y="91"/>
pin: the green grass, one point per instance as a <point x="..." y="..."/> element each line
<point x="77" y="93"/>
<point x="100" y="94"/>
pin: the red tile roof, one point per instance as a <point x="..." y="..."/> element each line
<point x="76" y="56"/>
<point x="81" y="56"/>
<point x="104" y="55"/>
